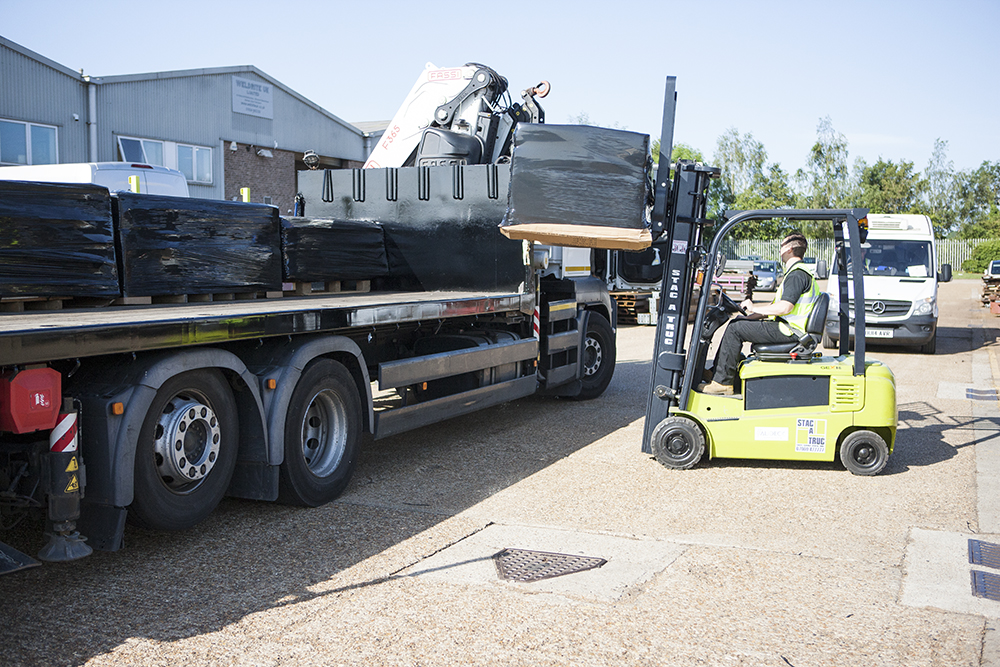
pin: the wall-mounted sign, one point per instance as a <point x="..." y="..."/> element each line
<point x="253" y="98"/>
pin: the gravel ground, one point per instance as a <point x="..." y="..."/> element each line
<point x="779" y="563"/>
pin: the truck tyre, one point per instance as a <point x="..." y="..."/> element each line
<point x="678" y="443"/>
<point x="864" y="453"/>
<point x="186" y="452"/>
<point x="930" y="347"/>
<point x="322" y="435"/>
<point x="598" y="357"/>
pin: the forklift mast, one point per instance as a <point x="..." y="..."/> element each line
<point x="679" y="209"/>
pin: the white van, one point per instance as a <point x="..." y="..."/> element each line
<point x="901" y="284"/>
<point x="114" y="176"/>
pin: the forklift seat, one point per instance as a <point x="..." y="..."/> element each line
<point x="803" y="347"/>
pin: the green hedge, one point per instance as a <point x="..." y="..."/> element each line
<point x="982" y="255"/>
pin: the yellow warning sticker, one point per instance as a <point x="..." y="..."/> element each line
<point x="73" y="465"/>
<point x="72" y="486"/>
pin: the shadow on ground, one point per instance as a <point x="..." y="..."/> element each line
<point x="252" y="556"/>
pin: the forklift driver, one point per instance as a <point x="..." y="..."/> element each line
<point x="775" y="322"/>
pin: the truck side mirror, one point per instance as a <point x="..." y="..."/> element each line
<point x="821" y="271"/>
<point x="944" y="275"/>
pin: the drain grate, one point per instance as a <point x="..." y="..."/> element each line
<point x="984" y="553"/>
<point x="986" y="585"/>
<point x="981" y="394"/>
<point x="526" y="566"/>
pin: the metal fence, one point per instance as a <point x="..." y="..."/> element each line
<point x="950" y="251"/>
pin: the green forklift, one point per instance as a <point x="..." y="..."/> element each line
<point x="790" y="402"/>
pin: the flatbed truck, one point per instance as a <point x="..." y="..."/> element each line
<point x="153" y="413"/>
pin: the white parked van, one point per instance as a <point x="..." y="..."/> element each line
<point x="901" y="284"/>
<point x="114" y="176"/>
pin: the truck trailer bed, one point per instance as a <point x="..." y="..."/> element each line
<point x="38" y="337"/>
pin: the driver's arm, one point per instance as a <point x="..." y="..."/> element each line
<point x="779" y="308"/>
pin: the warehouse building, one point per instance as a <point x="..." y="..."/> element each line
<point x="225" y="128"/>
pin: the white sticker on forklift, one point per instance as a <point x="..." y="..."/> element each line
<point x="775" y="433"/>
<point x="810" y="436"/>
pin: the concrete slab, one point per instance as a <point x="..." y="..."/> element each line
<point x="938" y="573"/>
<point x="631" y="562"/>
<point x="959" y="391"/>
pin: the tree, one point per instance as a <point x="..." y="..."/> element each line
<point x="741" y="159"/>
<point x="977" y="195"/>
<point x="887" y="187"/>
<point x="827" y="177"/>
<point x="748" y="182"/>
<point x="679" y="152"/>
<point x="940" y="179"/>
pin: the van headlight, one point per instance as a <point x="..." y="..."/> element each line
<point x="924" y="306"/>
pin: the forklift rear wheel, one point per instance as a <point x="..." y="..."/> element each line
<point x="598" y="357"/>
<point x="678" y="443"/>
<point x="864" y="453"/>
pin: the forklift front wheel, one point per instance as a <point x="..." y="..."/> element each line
<point x="864" y="453"/>
<point x="678" y="442"/>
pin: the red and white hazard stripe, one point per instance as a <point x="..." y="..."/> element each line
<point x="535" y="324"/>
<point x="63" y="436"/>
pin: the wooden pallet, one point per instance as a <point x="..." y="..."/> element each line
<point x="328" y="287"/>
<point x="30" y="303"/>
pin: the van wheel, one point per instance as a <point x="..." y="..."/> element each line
<point x="828" y="342"/>
<point x="677" y="442"/>
<point x="322" y="435"/>
<point x="930" y="347"/>
<point x="186" y="452"/>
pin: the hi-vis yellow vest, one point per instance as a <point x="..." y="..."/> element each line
<point x="794" y="323"/>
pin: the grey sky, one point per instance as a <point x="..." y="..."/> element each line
<point x="893" y="76"/>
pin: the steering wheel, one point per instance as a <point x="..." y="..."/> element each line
<point x="728" y="303"/>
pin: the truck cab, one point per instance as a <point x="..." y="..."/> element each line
<point x="901" y="283"/>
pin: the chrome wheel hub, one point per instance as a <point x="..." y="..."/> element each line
<point x="186" y="443"/>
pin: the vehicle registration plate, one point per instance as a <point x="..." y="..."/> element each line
<point x="878" y="333"/>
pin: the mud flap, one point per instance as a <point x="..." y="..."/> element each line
<point x="12" y="560"/>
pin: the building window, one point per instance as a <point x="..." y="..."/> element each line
<point x="27" y="143"/>
<point x="195" y="162"/>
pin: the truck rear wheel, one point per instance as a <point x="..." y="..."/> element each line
<point x="322" y="435"/>
<point x="678" y="442"/>
<point x="186" y="451"/>
<point x="598" y="356"/>
<point x="864" y="453"/>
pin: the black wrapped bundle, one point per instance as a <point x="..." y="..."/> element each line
<point x="316" y="249"/>
<point x="576" y="185"/>
<point x="174" y="245"/>
<point x="56" y="240"/>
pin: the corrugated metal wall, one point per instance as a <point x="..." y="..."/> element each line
<point x="36" y="90"/>
<point x="196" y="107"/>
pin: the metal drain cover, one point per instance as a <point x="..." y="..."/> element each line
<point x="986" y="585"/>
<point x="526" y="566"/>
<point x="984" y="553"/>
<point x="981" y="394"/>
